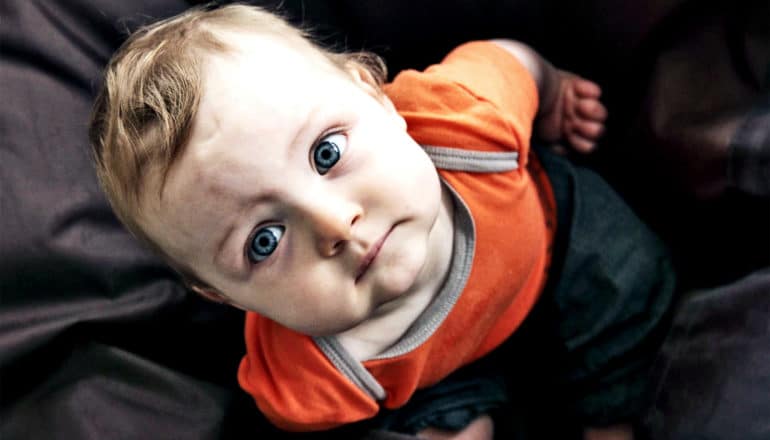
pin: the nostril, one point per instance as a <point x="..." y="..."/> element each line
<point x="355" y="219"/>
<point x="337" y="247"/>
<point x="331" y="248"/>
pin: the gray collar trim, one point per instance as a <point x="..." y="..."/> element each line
<point x="348" y="366"/>
<point x="462" y="257"/>
<point x="455" y="159"/>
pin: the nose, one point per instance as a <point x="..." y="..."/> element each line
<point x="332" y="222"/>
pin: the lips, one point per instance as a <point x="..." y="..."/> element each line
<point x="368" y="259"/>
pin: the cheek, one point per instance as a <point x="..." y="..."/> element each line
<point x="308" y="291"/>
<point x="404" y="181"/>
<point x="317" y="304"/>
<point x="402" y="159"/>
<point x="415" y="173"/>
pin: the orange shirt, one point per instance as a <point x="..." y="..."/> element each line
<point x="478" y="105"/>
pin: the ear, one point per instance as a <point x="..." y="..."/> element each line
<point x="364" y="79"/>
<point x="209" y="293"/>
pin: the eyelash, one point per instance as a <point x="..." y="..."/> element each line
<point x="253" y="255"/>
<point x="340" y="148"/>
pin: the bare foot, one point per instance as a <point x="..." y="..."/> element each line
<point x="615" y="432"/>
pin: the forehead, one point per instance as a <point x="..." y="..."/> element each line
<point x="264" y="57"/>
<point x="263" y="84"/>
<point x="262" y="94"/>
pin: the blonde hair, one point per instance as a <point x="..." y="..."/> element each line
<point x="143" y="114"/>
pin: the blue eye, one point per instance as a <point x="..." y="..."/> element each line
<point x="328" y="152"/>
<point x="265" y="242"/>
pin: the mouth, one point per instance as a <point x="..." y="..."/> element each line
<point x="371" y="255"/>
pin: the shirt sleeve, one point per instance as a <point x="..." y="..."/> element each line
<point x="479" y="97"/>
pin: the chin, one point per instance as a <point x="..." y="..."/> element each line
<point x="400" y="278"/>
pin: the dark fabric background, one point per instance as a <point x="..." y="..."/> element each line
<point x="99" y="340"/>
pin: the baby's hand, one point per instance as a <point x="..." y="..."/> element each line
<point x="573" y="112"/>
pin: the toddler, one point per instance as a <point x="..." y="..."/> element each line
<point x="380" y="237"/>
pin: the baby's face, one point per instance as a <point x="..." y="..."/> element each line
<point x="300" y="195"/>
